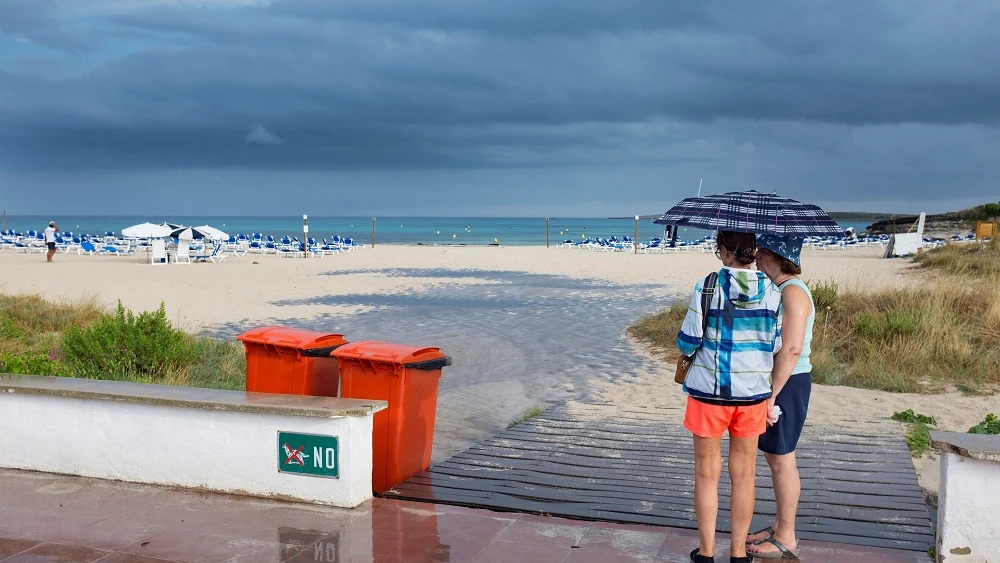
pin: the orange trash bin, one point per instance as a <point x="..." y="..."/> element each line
<point x="291" y="361"/>
<point x="407" y="377"/>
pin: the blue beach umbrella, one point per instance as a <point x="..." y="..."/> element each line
<point x="751" y="212"/>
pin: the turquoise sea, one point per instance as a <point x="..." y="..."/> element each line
<point x="512" y="231"/>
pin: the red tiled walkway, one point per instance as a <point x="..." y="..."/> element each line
<point x="56" y="519"/>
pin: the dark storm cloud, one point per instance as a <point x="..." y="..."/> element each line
<point x="37" y="21"/>
<point x="767" y="88"/>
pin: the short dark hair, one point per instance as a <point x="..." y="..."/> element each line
<point x="786" y="265"/>
<point x="742" y="245"/>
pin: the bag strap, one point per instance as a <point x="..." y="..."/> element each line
<point x="707" y="294"/>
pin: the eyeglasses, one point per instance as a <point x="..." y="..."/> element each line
<point x="718" y="252"/>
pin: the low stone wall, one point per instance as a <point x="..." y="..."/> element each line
<point x="968" y="525"/>
<point x="316" y="449"/>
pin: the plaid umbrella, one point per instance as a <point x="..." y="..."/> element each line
<point x="751" y="212"/>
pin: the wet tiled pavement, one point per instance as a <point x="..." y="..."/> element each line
<point x="58" y="519"/>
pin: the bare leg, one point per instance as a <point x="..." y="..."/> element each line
<point x="707" y="470"/>
<point x="742" y="474"/>
<point x="48" y="256"/>
<point x="787" y="487"/>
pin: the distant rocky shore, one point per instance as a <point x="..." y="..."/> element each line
<point x="942" y="225"/>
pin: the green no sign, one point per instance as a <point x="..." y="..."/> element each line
<point x="308" y="454"/>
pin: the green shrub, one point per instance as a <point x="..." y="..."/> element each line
<point x="824" y="294"/>
<point x="124" y="346"/>
<point x="909" y="416"/>
<point x="888" y="325"/>
<point x="31" y="364"/>
<point x="918" y="438"/>
<point x="990" y="425"/>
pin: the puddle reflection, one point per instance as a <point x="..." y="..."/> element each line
<point x="308" y="545"/>
<point x="388" y="535"/>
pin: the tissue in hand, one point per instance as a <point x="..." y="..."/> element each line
<point x="773" y="414"/>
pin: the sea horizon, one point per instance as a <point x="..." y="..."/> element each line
<point x="510" y="231"/>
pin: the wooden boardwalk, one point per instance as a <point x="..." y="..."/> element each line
<point x="858" y="486"/>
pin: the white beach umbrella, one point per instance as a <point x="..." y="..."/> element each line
<point x="212" y="233"/>
<point x="146" y="230"/>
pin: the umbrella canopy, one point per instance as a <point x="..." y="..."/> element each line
<point x="146" y="230"/>
<point x="751" y="212"/>
<point x="212" y="232"/>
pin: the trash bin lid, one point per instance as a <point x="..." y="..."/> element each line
<point x="419" y="357"/>
<point x="296" y="338"/>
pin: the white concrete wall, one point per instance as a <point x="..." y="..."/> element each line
<point x="216" y="450"/>
<point x="968" y="504"/>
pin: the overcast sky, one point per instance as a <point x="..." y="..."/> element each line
<point x="491" y="108"/>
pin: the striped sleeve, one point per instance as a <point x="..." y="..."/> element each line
<point x="690" y="336"/>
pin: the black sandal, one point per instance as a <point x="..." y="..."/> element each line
<point x="782" y="553"/>
<point x="769" y="530"/>
<point x="699" y="558"/>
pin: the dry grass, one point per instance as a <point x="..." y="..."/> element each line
<point x="222" y="365"/>
<point x="31" y="324"/>
<point x="924" y="337"/>
<point x="965" y="259"/>
<point x="659" y="330"/>
<point x="914" y="339"/>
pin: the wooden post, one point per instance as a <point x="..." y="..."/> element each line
<point x="635" y="241"/>
<point x="546" y="232"/>
<point x="373" y="232"/>
<point x="305" y="236"/>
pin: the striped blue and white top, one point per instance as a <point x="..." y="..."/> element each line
<point x="735" y="355"/>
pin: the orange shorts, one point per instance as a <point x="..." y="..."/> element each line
<point x="712" y="421"/>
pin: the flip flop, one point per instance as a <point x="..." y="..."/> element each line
<point x="782" y="553"/>
<point x="769" y="530"/>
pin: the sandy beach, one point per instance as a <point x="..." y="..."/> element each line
<point x="250" y="288"/>
<point x="525" y="325"/>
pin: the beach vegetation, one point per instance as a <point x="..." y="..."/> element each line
<point x="41" y="337"/>
<point x="30" y="363"/>
<point x="916" y="338"/>
<point x="824" y="294"/>
<point x="918" y="437"/>
<point x="989" y="425"/>
<point x="659" y="330"/>
<point x="528" y="415"/>
<point x="126" y="346"/>
<point x="942" y="333"/>
<point x="972" y="260"/>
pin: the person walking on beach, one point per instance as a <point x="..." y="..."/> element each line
<point x="728" y="387"/>
<point x="791" y="383"/>
<point x="50" y="240"/>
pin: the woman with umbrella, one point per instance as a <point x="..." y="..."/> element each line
<point x="791" y="383"/>
<point x="712" y="383"/>
<point x="732" y="343"/>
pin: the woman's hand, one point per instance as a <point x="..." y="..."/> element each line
<point x="772" y="418"/>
